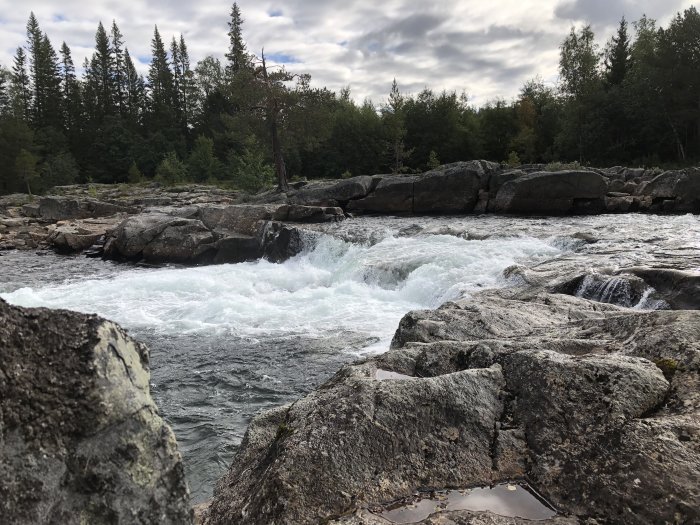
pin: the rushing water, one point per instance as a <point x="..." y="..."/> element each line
<point x="228" y="341"/>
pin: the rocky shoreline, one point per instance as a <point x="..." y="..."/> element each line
<point x="581" y="378"/>
<point x="204" y="225"/>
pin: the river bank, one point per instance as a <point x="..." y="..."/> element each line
<point x="510" y="317"/>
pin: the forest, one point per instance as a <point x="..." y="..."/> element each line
<point x="633" y="100"/>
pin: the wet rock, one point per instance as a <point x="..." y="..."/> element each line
<point x="555" y="193"/>
<point x="313" y="214"/>
<point x="680" y="289"/>
<point x="244" y="219"/>
<point x="281" y="242"/>
<point x="82" y="441"/>
<point x="236" y="248"/>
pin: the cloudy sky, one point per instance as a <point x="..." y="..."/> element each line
<point x="486" y="48"/>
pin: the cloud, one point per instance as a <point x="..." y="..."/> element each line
<point x="486" y="48"/>
<point x="606" y="13"/>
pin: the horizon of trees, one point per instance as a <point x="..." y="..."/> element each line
<point x="634" y="100"/>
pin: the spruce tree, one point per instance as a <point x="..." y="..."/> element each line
<point x="135" y="92"/>
<point x="5" y="79"/>
<point x="617" y="56"/>
<point x="237" y="56"/>
<point x="119" y="71"/>
<point x="21" y="88"/>
<point x="100" y="75"/>
<point x="70" y="91"/>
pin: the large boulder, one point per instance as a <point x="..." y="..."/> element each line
<point x="242" y="218"/>
<point x="557" y="193"/>
<point x="675" y="191"/>
<point x="159" y="237"/>
<point x="81" y="440"/>
<point x="333" y="193"/>
<point x="393" y="194"/>
<point x="354" y="442"/>
<point x="453" y="188"/>
<point x="79" y="235"/>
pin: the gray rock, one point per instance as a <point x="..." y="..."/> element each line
<point x="552" y="193"/>
<point x="681" y="190"/>
<point x="354" y="442"/>
<point x="157" y="237"/>
<point x="330" y="193"/>
<point x="453" y="188"/>
<point x="64" y="208"/>
<point x="393" y="194"/>
<point x="81" y="440"/>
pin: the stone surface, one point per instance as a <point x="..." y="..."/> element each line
<point x="81" y="440"/>
<point x="453" y="188"/>
<point x="596" y="404"/>
<point x="545" y="193"/>
<point x="393" y="194"/>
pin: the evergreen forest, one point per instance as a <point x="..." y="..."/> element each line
<point x="633" y="100"/>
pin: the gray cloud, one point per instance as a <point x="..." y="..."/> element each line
<point x="486" y="49"/>
<point x="603" y="13"/>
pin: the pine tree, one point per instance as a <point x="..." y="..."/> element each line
<point x="70" y="90"/>
<point x="100" y="76"/>
<point x="5" y="79"/>
<point x="176" y="64"/>
<point x="51" y="100"/>
<point x="160" y="77"/>
<point x="237" y="56"/>
<point x="21" y="88"/>
<point x="617" y="56"/>
<point x="119" y="72"/>
<point x="394" y="118"/>
<point x="135" y="92"/>
<point x="187" y="87"/>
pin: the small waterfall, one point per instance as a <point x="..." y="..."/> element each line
<point x="624" y="291"/>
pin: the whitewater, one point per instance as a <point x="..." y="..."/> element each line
<point x="231" y="340"/>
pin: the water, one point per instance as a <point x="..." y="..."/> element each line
<point x="228" y="341"/>
<point x="506" y="499"/>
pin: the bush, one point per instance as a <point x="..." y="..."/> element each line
<point x="171" y="170"/>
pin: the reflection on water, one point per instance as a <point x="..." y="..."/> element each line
<point x="507" y="499"/>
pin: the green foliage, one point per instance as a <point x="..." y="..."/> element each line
<point x="25" y="168"/>
<point x="134" y="175"/>
<point x="668" y="367"/>
<point x="513" y="160"/>
<point x="202" y="164"/>
<point x="346" y="174"/>
<point x="433" y="161"/>
<point x="171" y="170"/>
<point x="633" y="100"/>
<point x="250" y="171"/>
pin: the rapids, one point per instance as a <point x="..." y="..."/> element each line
<point x="228" y="341"/>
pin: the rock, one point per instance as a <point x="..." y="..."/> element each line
<point x="236" y="248"/>
<point x="459" y="517"/>
<point x="353" y="442"/>
<point x="331" y="193"/>
<point x="243" y="219"/>
<point x="680" y="190"/>
<point x="82" y="441"/>
<point x="63" y="208"/>
<point x="680" y="289"/>
<point x="393" y="194"/>
<point x="281" y="242"/>
<point x="76" y="236"/>
<point x="453" y="188"/>
<point x="313" y="214"/>
<point x="557" y="193"/>
<point x="157" y="237"/>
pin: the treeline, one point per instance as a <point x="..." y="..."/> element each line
<point x="635" y="100"/>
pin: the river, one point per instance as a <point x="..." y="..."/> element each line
<point x="228" y="341"/>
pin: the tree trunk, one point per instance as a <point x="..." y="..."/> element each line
<point x="272" y="111"/>
<point x="280" y="168"/>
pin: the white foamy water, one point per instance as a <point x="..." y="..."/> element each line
<point x="336" y="286"/>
